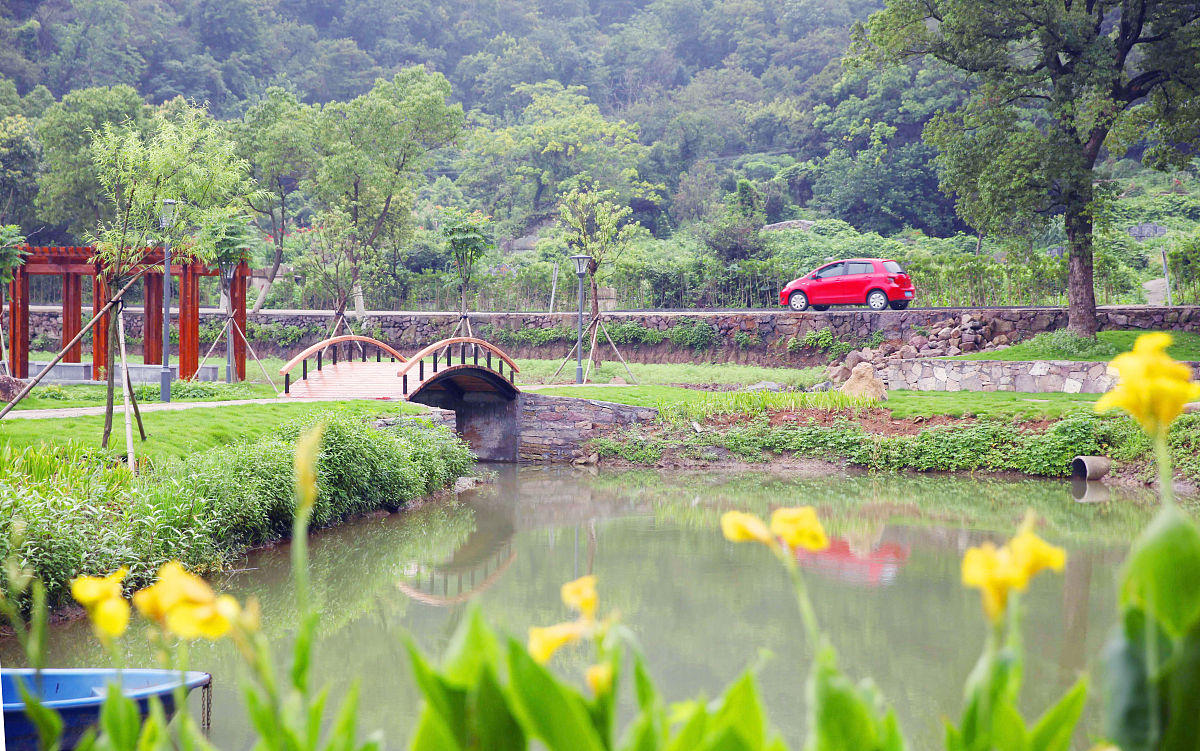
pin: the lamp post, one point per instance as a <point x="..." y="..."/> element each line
<point x="166" y="218"/>
<point x="581" y="267"/>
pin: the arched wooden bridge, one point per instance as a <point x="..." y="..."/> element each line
<point x="472" y="377"/>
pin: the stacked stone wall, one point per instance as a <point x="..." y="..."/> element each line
<point x="555" y="428"/>
<point x="1043" y="376"/>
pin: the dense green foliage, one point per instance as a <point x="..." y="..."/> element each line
<point x="360" y="118"/>
<point x="67" y="510"/>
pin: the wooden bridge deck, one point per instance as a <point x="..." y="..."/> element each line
<point x="350" y="380"/>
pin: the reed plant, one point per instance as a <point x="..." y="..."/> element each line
<point x="728" y="403"/>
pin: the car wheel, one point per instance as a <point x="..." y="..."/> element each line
<point x="899" y="305"/>
<point x="821" y="307"/>
<point x="798" y="301"/>
<point x="877" y="299"/>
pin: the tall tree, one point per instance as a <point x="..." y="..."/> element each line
<point x="1059" y="81"/>
<point x="186" y="157"/>
<point x="276" y="137"/>
<point x="372" y="151"/>
<point x="19" y="158"/>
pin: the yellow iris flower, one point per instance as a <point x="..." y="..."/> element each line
<point x="103" y="599"/>
<point x="738" y="526"/>
<point x="599" y="678"/>
<point x="186" y="606"/>
<point x="544" y="642"/>
<point x="581" y="595"/>
<point x="799" y="528"/>
<point x="995" y="572"/>
<point x="1153" y="387"/>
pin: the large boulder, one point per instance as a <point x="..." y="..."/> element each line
<point x="864" y="383"/>
<point x="766" y="386"/>
<point x="839" y="373"/>
<point x="10" y="387"/>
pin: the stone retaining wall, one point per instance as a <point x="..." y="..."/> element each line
<point x="1043" y="377"/>
<point x="764" y="335"/>
<point x="555" y="428"/>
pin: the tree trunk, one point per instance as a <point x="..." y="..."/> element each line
<point x="266" y="290"/>
<point x="1081" y="293"/>
<point x="110" y="373"/>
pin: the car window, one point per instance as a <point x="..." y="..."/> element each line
<point x="893" y="267"/>
<point x="859" y="267"/>
<point x="833" y="269"/>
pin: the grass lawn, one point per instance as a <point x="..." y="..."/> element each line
<point x="179" y="433"/>
<point x="1109" y="344"/>
<point x="540" y="371"/>
<point x="901" y="403"/>
<point x="88" y="395"/>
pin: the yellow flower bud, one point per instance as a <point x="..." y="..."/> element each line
<point x="738" y="526"/>
<point x="581" y="595"/>
<point x="799" y="528"/>
<point x="308" y="448"/>
<point x="599" y="678"/>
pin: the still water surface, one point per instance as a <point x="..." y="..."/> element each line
<point x="887" y="591"/>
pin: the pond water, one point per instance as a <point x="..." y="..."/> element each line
<point x="887" y="591"/>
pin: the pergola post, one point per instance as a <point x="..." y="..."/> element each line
<point x="72" y="314"/>
<point x="18" y="324"/>
<point x="237" y="296"/>
<point x="152" y="319"/>
<point x="100" y="330"/>
<point x="189" y="321"/>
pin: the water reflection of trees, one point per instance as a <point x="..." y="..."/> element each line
<point x="854" y="505"/>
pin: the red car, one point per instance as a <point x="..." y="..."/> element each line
<point x="873" y="282"/>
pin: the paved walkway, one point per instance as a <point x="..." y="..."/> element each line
<point x="41" y="414"/>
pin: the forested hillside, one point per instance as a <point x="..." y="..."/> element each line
<point x="706" y="118"/>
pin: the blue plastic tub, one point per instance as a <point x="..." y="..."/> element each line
<point x="78" y="694"/>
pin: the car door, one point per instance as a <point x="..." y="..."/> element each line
<point x="824" y="286"/>
<point x="855" y="282"/>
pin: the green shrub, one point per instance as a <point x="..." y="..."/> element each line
<point x="696" y="335"/>
<point x="632" y="332"/>
<point x="80" y="512"/>
<point x="745" y="340"/>
<point x="53" y="391"/>
<point x="1066" y="345"/>
<point x="530" y="336"/>
<point x="794" y="345"/>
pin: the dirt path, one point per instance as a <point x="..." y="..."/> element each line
<point x="1156" y="291"/>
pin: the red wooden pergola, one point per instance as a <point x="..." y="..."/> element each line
<point x="74" y="263"/>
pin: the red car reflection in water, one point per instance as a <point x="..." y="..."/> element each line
<point x="839" y="561"/>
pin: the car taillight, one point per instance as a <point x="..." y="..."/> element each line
<point x="891" y="280"/>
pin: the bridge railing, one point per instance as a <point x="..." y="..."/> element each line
<point x="348" y="342"/>
<point x="441" y="354"/>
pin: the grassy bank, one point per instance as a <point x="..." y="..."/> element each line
<point x="992" y="445"/>
<point x="172" y="435"/>
<point x="70" y="510"/>
<point x="55" y="396"/>
<point x="1063" y="345"/>
<point x="901" y="404"/>
<point x="659" y="374"/>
